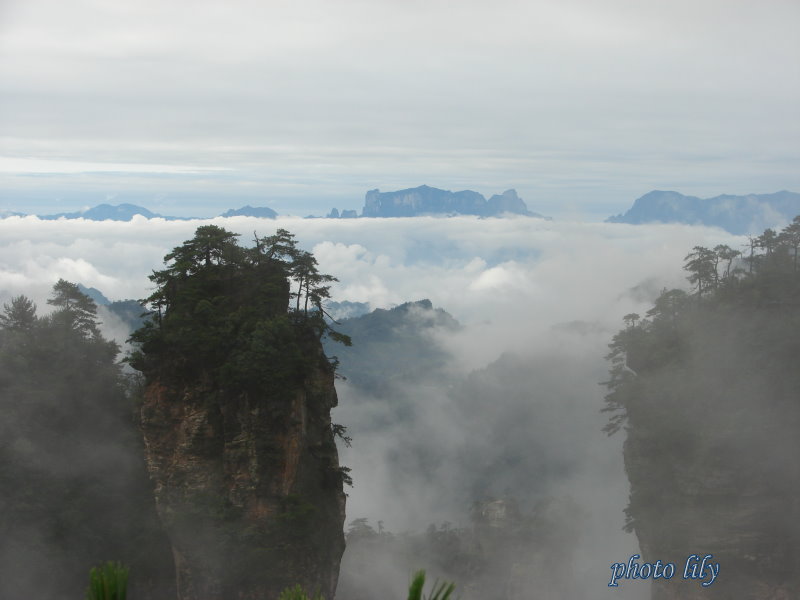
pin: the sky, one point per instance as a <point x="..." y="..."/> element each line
<point x="581" y="106"/>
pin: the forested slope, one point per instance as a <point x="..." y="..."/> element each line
<point x="707" y="389"/>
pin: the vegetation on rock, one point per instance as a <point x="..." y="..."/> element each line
<point x="236" y="416"/>
<point x="240" y="317"/>
<point x="74" y="486"/>
<point x="706" y="387"/>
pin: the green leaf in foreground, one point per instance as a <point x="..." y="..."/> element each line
<point x="441" y="590"/>
<point x="108" y="582"/>
<point x="297" y="593"/>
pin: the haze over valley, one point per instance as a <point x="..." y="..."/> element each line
<point x="498" y="397"/>
<point x="525" y="274"/>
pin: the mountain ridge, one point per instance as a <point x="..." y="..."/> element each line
<point x="127" y="211"/>
<point x="427" y="200"/>
<point x="739" y="215"/>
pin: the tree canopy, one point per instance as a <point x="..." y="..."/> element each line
<point x="771" y="281"/>
<point x="240" y="316"/>
<point x="710" y="373"/>
<point x="73" y="486"/>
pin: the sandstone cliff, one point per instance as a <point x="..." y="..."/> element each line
<point x="248" y="488"/>
<point x="426" y="200"/>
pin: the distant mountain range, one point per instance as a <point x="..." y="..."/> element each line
<point x="126" y="212"/>
<point x="411" y="202"/>
<point x="737" y="214"/>
<point x="108" y="212"/>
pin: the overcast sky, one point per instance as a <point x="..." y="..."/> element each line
<point x="582" y="106"/>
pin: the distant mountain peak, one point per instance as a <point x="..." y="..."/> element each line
<point x="261" y="212"/>
<point x="95" y="294"/>
<point x="392" y="346"/>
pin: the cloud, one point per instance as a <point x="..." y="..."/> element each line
<point x="44" y="166"/>
<point x="518" y="402"/>
<point x="479" y="270"/>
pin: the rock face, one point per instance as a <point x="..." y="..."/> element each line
<point x="426" y="200"/>
<point x="248" y="487"/>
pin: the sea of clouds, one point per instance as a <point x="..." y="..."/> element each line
<point x="483" y="271"/>
<point x="538" y="301"/>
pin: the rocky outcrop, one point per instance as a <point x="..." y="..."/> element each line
<point x="426" y="200"/>
<point x="736" y="214"/>
<point x="236" y="418"/>
<point x="262" y="212"/>
<point x="248" y="486"/>
<point x="345" y="214"/>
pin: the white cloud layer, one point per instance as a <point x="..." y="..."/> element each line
<point x="482" y="271"/>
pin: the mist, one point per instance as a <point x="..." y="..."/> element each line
<point x="513" y="411"/>
<point x="475" y="268"/>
